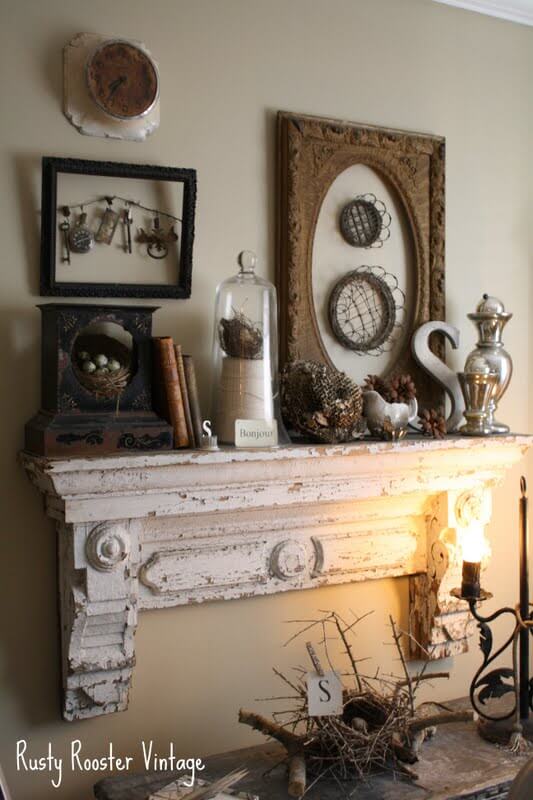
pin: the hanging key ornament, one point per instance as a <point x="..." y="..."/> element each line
<point x="65" y="229"/>
<point x="108" y="224"/>
<point x="157" y="240"/>
<point x="128" y="219"/>
<point x="80" y="238"/>
<point x="365" y="221"/>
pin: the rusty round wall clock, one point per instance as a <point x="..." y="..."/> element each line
<point x="122" y="79"/>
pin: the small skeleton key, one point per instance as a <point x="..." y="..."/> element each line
<point x="65" y="228"/>
<point x="128" y="219"/>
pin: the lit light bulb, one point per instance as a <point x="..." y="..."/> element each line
<point x="474" y="546"/>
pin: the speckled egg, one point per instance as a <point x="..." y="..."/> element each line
<point x="100" y="360"/>
<point x="113" y="365"/>
<point x="88" y="366"/>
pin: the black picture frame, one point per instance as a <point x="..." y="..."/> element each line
<point x="50" y="287"/>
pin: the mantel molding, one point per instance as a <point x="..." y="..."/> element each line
<point x="159" y="530"/>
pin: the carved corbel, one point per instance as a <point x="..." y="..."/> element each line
<point x="98" y="573"/>
<point x="438" y="620"/>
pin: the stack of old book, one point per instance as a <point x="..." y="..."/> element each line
<point x="176" y="392"/>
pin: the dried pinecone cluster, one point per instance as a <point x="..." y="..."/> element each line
<point x="320" y="402"/>
<point x="400" y="389"/>
<point x="433" y="423"/>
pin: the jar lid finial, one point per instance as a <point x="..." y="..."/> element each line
<point x="247" y="260"/>
<point x="490" y="305"/>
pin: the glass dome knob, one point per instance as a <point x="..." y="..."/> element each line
<point x="247" y="260"/>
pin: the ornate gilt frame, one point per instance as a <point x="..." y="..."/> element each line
<point x="312" y="152"/>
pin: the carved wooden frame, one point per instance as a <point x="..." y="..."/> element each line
<point x="312" y="152"/>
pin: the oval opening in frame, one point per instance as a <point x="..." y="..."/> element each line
<point x="353" y="314"/>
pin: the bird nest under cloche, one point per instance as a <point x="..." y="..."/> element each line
<point x="240" y="337"/>
<point x="102" y="365"/>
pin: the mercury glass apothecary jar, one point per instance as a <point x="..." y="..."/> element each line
<point x="245" y="360"/>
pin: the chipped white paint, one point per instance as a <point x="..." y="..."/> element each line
<point x="288" y="559"/>
<point x="159" y="530"/>
<point x="78" y="105"/>
<point x="98" y="621"/>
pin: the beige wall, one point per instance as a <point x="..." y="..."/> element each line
<point x="227" y="66"/>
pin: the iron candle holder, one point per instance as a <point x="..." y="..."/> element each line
<point x="510" y="725"/>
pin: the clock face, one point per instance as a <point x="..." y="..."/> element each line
<point x="123" y="80"/>
<point x="81" y="239"/>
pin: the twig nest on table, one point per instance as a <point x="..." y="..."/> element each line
<point x="379" y="729"/>
<point x="320" y="403"/>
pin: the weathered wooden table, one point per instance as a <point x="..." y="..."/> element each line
<point x="455" y="764"/>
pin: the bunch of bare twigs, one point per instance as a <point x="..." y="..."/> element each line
<point x="380" y="729"/>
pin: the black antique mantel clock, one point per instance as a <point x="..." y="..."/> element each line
<point x="96" y="383"/>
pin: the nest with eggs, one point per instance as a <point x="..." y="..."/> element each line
<point x="102" y="381"/>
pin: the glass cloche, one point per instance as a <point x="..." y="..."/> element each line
<point x="245" y="360"/>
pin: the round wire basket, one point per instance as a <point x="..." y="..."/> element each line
<point x="363" y="308"/>
<point x="365" y="221"/>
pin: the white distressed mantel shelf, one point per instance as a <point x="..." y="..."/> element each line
<point x="157" y="530"/>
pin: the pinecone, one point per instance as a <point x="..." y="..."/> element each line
<point x="402" y="389"/>
<point x="376" y="384"/>
<point x="433" y="423"/>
